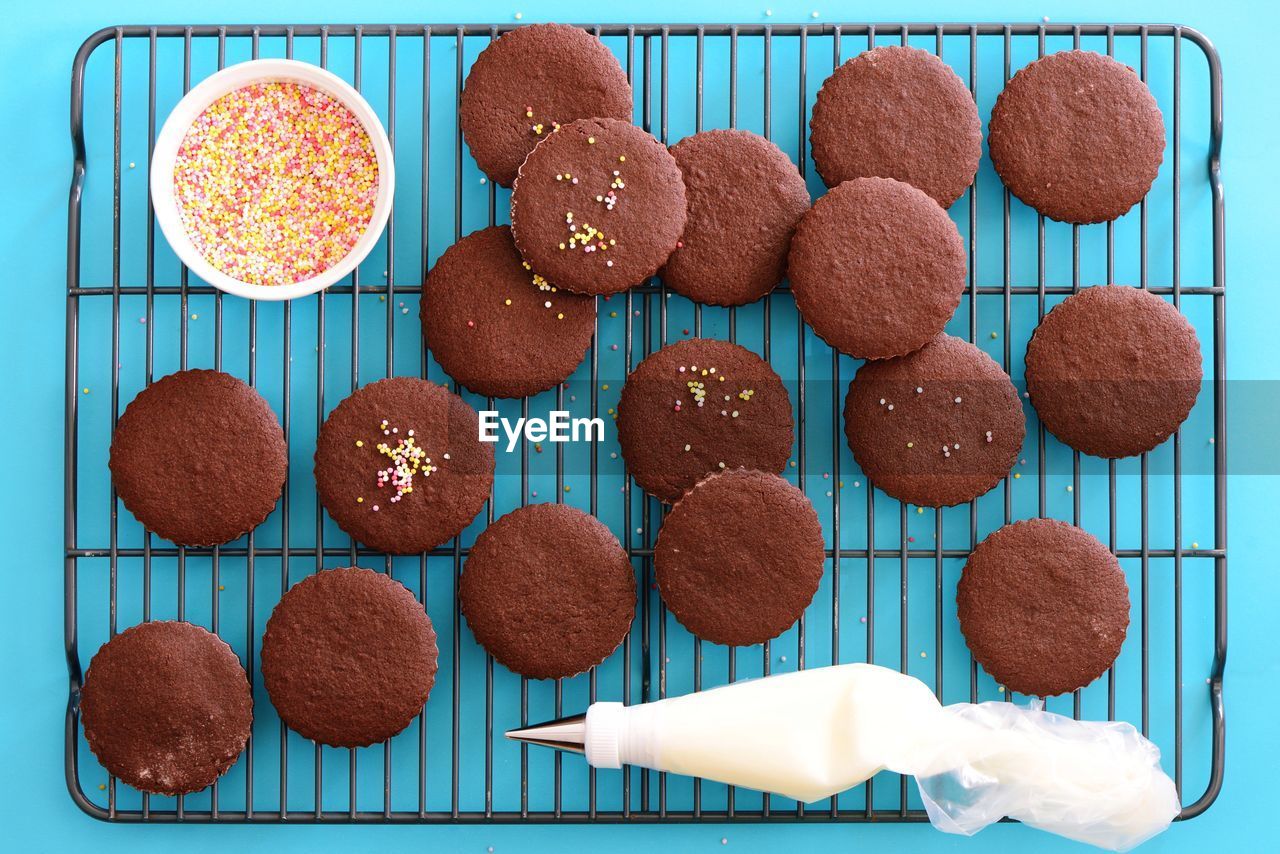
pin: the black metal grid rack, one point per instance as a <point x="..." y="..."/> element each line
<point x="650" y="802"/>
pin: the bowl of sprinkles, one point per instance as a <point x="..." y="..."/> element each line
<point x="272" y="179"/>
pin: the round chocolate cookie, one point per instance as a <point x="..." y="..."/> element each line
<point x="1043" y="606"/>
<point x="937" y="427"/>
<point x="548" y="591"/>
<point x="897" y="112"/>
<point x="598" y="206"/>
<point x="877" y="268"/>
<point x="739" y="557"/>
<point x="699" y="406"/>
<point x="199" y="458"/>
<point x="348" y="657"/>
<point x="166" y="707"/>
<point x="497" y="327"/>
<point x="1077" y="136"/>
<point x="1113" y="370"/>
<point x="400" y="466"/>
<point x="745" y="197"/>
<point x="528" y="83"/>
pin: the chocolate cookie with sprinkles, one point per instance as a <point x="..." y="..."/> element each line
<point x="598" y="206"/>
<point x="701" y="406"/>
<point x="400" y="466"/>
<point x="496" y="326"/>
<point x="936" y="427"/>
<point x="531" y="81"/>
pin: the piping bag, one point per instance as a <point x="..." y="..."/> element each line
<point x="810" y="734"/>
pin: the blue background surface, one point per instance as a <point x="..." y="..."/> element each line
<point x="38" y="814"/>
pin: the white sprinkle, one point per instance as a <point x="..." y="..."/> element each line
<point x="891" y="407"/>
<point x="919" y="390"/>
<point x="882" y="401"/>
<point x="956" y="446"/>
<point x="446" y="456"/>
<point x="688" y="447"/>
<point x="782" y="658"/>
<point x="547" y="304"/>
<point x="735" y="413"/>
<point x="132" y="164"/>
<point x="813" y="14"/>
<point x="957" y="400"/>
<point x="857" y="483"/>
<point x="722" y="464"/>
<point x="519" y="15"/>
<point x="484" y="180"/>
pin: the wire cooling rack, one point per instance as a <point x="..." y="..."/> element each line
<point x="133" y="314"/>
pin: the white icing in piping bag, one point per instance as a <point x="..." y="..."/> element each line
<point x="810" y="734"/>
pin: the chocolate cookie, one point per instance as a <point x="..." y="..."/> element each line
<point x="529" y="82"/>
<point x="1077" y="136"/>
<point x="1112" y="371"/>
<point x="166" y="707"/>
<point x="548" y="591"/>
<point x="937" y="427"/>
<point x="897" y="112"/>
<point x="497" y="327"/>
<point x="744" y="198"/>
<point x="877" y="268"/>
<point x="1043" y="606"/>
<point x="598" y="206"/>
<point x="348" y="657"/>
<point x="739" y="557"/>
<point x="400" y="466"/>
<point x="199" y="458"/>
<point x="699" y="406"/>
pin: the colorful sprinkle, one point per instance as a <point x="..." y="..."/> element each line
<point x="407" y="460"/>
<point x="296" y="207"/>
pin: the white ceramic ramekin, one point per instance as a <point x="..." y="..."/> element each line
<point x="228" y="80"/>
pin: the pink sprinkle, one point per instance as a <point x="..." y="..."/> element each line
<point x="613" y="347"/>
<point x="375" y="507"/>
<point x="470" y="324"/>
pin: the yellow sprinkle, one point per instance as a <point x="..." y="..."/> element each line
<point x="605" y="387"/>
<point x="591" y="140"/>
<point x="919" y="511"/>
<point x="221" y="587"/>
<point x="622" y="158"/>
<point x="995" y="334"/>
<point x="85" y="389"/>
<point x="566" y="487"/>
<point x="1017" y="475"/>
<point x="911" y="444"/>
<point x="102" y="786"/>
<point x="506" y="302"/>
<point x="559" y="316"/>
<point x="1195" y="545"/>
<point x="359" y="443"/>
<point x="359" y="500"/>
